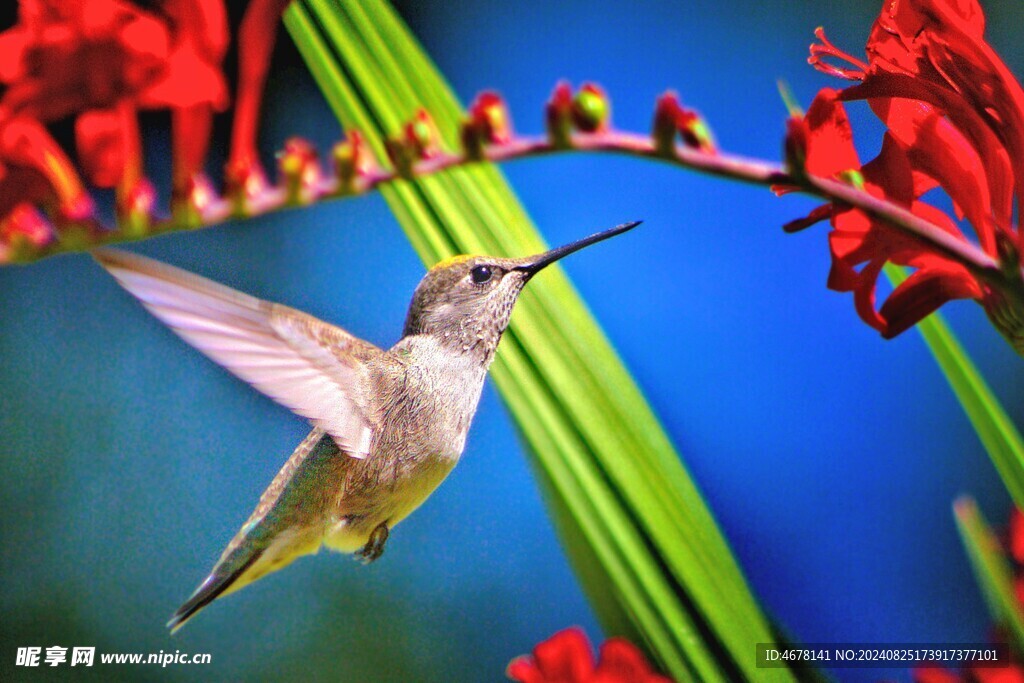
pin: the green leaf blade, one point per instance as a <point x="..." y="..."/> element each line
<point x="637" y="530"/>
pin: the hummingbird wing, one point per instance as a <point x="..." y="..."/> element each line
<point x="290" y="521"/>
<point x="315" y="369"/>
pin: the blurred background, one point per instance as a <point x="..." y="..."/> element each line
<point x="830" y="457"/>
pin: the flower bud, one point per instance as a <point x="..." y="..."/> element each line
<point x="558" y="115"/>
<point x="591" y="110"/>
<point x="135" y="208"/>
<point x="244" y="184"/>
<point x="190" y="201"/>
<point x="22" y="233"/>
<point x="695" y="132"/>
<point x="488" y="123"/>
<point x="298" y="165"/>
<point x="422" y="137"/>
<point x="401" y="156"/>
<point x="663" y="130"/>
<point x="352" y="162"/>
<point x="672" y="119"/>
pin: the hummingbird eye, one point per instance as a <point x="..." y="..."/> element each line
<point x="481" y="274"/>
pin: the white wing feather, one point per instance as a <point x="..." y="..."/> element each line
<point x="299" y="361"/>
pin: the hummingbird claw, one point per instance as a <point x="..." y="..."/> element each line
<point x="374" y="547"/>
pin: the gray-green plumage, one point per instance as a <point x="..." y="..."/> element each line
<point x="389" y="425"/>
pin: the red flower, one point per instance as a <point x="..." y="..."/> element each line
<point x="87" y="58"/>
<point x="66" y="57"/>
<point x="955" y="119"/>
<point x="860" y="246"/>
<point x="101" y="60"/>
<point x="567" y="657"/>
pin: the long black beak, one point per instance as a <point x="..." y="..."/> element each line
<point x="535" y="264"/>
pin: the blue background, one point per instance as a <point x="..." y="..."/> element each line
<point x="830" y="456"/>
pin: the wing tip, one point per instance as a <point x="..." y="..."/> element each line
<point x="110" y="257"/>
<point x="120" y="263"/>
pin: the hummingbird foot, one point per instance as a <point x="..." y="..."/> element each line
<point x="374" y="547"/>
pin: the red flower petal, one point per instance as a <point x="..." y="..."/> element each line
<point x="524" y="670"/>
<point x="935" y="147"/>
<point x="935" y="674"/>
<point x="922" y="294"/>
<point x="864" y="296"/>
<point x="1016" y="534"/>
<point x="817" y="214"/>
<point x="970" y="123"/>
<point x="904" y="31"/>
<point x="619" y="657"/>
<point x="13" y="44"/>
<point x="891" y="175"/>
<point x="202" y="23"/>
<point x="1007" y="674"/>
<point x="189" y="81"/>
<point x="849" y="250"/>
<point x="830" y="147"/>
<point x="566" y="656"/>
<point x="622" y="662"/>
<point x="102" y="149"/>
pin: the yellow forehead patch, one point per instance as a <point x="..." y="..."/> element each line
<point x="452" y="260"/>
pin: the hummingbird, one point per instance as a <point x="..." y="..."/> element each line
<point x="387" y="425"/>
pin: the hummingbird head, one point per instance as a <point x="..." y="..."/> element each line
<point x="466" y="301"/>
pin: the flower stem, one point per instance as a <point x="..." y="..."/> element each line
<point x="619" y="142"/>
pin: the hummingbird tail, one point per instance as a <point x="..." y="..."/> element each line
<point x="209" y="590"/>
<point x="287" y="523"/>
<point x="245" y="562"/>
